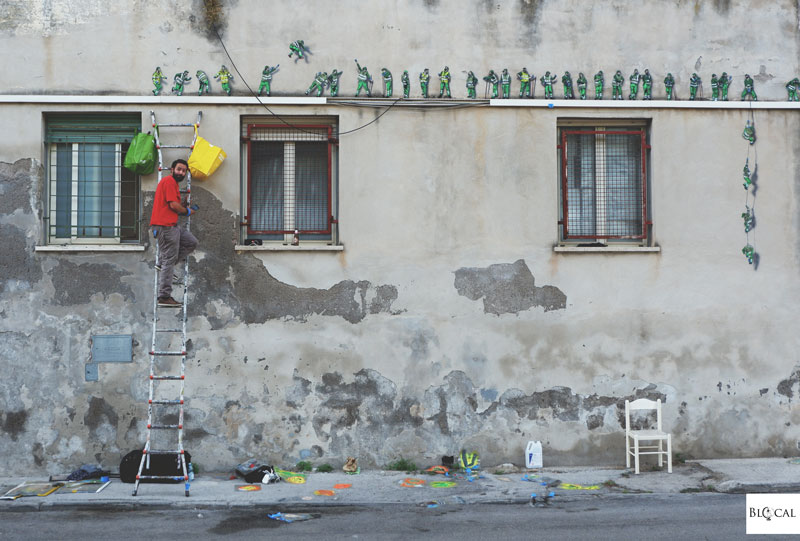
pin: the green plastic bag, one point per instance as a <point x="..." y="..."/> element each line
<point x="142" y="156"/>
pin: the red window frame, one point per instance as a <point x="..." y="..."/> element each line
<point x="330" y="142"/>
<point x="562" y="147"/>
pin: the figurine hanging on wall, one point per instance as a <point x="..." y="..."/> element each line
<point x="724" y="83"/>
<point x="714" y="87"/>
<point x="749" y="253"/>
<point x="225" y="77"/>
<point x="599" y="83"/>
<point x="616" y="86"/>
<point x="669" y="82"/>
<point x="505" y="83"/>
<point x="472" y="82"/>
<point x="266" y="79"/>
<point x="298" y="48"/>
<point x="444" y="82"/>
<point x="566" y="81"/>
<point x="694" y="82"/>
<point x="547" y="83"/>
<point x="158" y="76"/>
<point x="747" y="216"/>
<point x="424" y="78"/>
<point x="493" y="80"/>
<point x="749" y="132"/>
<point x="746" y="174"/>
<point x="406" y="80"/>
<point x="320" y="80"/>
<point x="582" y="85"/>
<point x="333" y="82"/>
<point x="634" y="79"/>
<point x="792" y="87"/>
<point x="387" y="82"/>
<point x="180" y="80"/>
<point x="647" y="85"/>
<point x="202" y="80"/>
<point x="749" y="88"/>
<point x="364" y="80"/>
<point x="524" y="83"/>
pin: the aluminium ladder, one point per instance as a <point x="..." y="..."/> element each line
<point x="156" y="405"/>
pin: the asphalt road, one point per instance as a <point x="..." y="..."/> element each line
<point x="669" y="517"/>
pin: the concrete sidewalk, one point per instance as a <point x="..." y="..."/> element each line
<point x="378" y="487"/>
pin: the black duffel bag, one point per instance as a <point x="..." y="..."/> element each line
<point x="159" y="465"/>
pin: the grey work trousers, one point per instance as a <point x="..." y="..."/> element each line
<point x="174" y="244"/>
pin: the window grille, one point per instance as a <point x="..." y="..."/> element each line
<point x="603" y="184"/>
<point x="289" y="179"/>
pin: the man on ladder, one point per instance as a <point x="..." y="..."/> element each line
<point x="174" y="242"/>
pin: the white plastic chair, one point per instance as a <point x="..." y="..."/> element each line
<point x="634" y="437"/>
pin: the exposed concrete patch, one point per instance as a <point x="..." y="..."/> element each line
<point x="297" y="393"/>
<point x="13" y="423"/>
<point x="253" y="294"/>
<point x="16" y="181"/>
<point x="18" y="261"/>
<point x="786" y="386"/>
<point x="98" y="409"/>
<point x="75" y="284"/>
<point x="507" y="288"/>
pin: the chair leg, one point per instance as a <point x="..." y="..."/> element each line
<point x="660" y="453"/>
<point x="627" y="452"/>
<point x="669" y="453"/>
<point x="636" y="453"/>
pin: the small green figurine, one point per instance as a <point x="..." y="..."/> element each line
<point x="524" y="83"/>
<point x="792" y="87"/>
<point x="472" y="82"/>
<point x="647" y="85"/>
<point x="320" y="80"/>
<point x="749" y="253"/>
<point x="298" y="48"/>
<point x="566" y="80"/>
<point x="158" y="76"/>
<point x="202" y="80"/>
<point x="406" y="83"/>
<point x="746" y="174"/>
<point x="180" y="80"/>
<point x="333" y="82"/>
<point x="748" y="88"/>
<point x="387" y="82"/>
<point x="505" y="82"/>
<point x="444" y="82"/>
<point x="599" y="83"/>
<point x="616" y="86"/>
<point x="424" y="78"/>
<point x="724" y="83"/>
<point x="749" y="132"/>
<point x="747" y="216"/>
<point x="714" y="87"/>
<point x="494" y="80"/>
<point x="225" y="77"/>
<point x="548" y="81"/>
<point x="669" y="82"/>
<point x="634" y="79"/>
<point x="694" y="82"/>
<point x="266" y="78"/>
<point x="364" y="80"/>
<point x="582" y="85"/>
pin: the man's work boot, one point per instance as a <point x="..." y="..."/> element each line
<point x="168" y="302"/>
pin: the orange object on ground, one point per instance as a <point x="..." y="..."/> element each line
<point x="324" y="492"/>
<point x="248" y="488"/>
<point x="438" y="469"/>
<point x="342" y="485"/>
<point x="412" y="482"/>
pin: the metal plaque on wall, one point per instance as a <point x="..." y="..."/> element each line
<point x="112" y="348"/>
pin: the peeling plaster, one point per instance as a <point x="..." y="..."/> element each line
<point x="77" y="283"/>
<point x="507" y="288"/>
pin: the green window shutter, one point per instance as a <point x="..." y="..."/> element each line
<point x="92" y="127"/>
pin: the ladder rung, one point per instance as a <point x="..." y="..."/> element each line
<point x="162" y="378"/>
<point x="173" y="353"/>
<point x="173" y="477"/>
<point x="164" y="427"/>
<point x="176" y="452"/>
<point x="176" y="125"/>
<point x="166" y="402"/>
<point x="169" y="330"/>
<point x="175" y="146"/>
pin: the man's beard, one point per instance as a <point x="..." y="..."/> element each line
<point x="178" y="177"/>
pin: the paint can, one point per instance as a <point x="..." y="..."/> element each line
<point x="533" y="455"/>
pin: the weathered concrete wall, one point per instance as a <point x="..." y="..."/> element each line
<point x="448" y="321"/>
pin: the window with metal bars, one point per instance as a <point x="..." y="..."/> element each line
<point x="604" y="177"/>
<point x="91" y="197"/>
<point x="289" y="181"/>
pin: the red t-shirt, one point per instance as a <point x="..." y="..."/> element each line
<point x="166" y="191"/>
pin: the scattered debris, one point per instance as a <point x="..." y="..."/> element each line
<point x="351" y="465"/>
<point x="248" y="488"/>
<point x="570" y="486"/>
<point x="434" y="470"/>
<point x="443" y="484"/>
<point x="342" y="485"/>
<point x="290" y="517"/>
<point x="87" y="486"/>
<point x="412" y="482"/>
<point x="324" y="492"/>
<point x="26" y="489"/>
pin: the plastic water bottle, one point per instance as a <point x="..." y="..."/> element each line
<point x="190" y="471"/>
